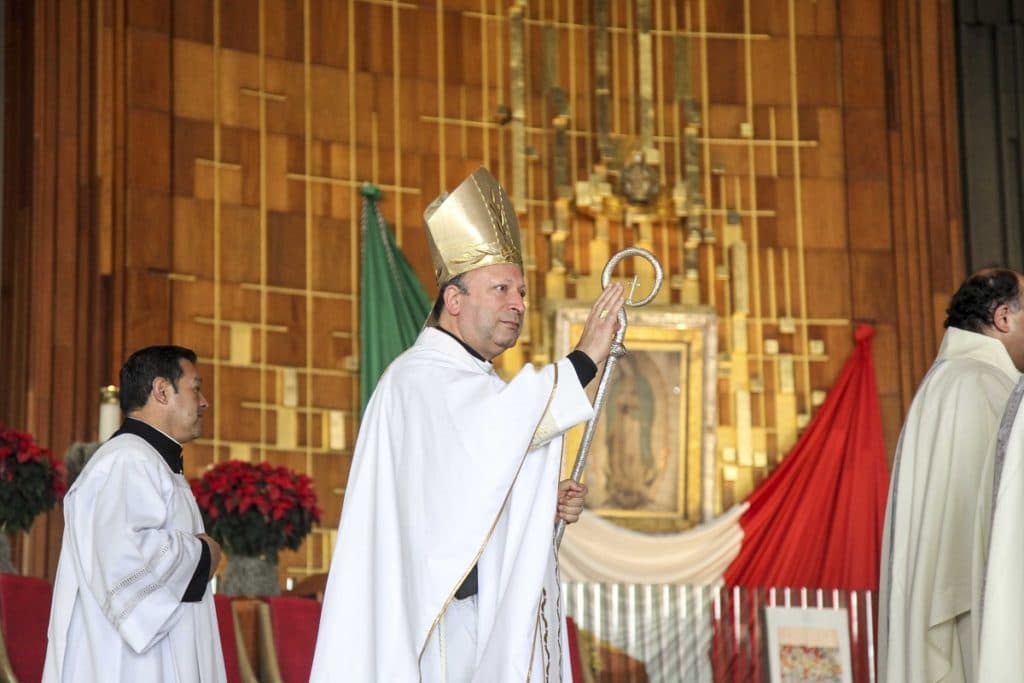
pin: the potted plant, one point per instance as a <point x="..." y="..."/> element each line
<point x="254" y="510"/>
<point x="31" y="482"/>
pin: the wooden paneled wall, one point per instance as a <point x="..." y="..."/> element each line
<point x="55" y="303"/>
<point x="188" y="171"/>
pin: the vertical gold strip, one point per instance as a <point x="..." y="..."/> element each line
<point x="518" y="49"/>
<point x="801" y="266"/>
<point x="555" y="278"/>
<point x="442" y="143"/>
<point x="602" y="80"/>
<point x="263" y="230"/>
<point x="485" y="79"/>
<point x="463" y="128"/>
<point x="679" y="63"/>
<point x="705" y="117"/>
<point x="615" y="123"/>
<point x="396" y="133"/>
<point x="500" y="51"/>
<point x="103" y="166"/>
<point x="583" y="121"/>
<point x="723" y="241"/>
<point x="625" y="42"/>
<point x="712" y="284"/>
<point x="517" y="94"/>
<point x="740" y="290"/>
<point x="659" y="113"/>
<point x="307" y="144"/>
<point x="754" y="237"/>
<point x="645" y="67"/>
<point x="787" y="292"/>
<point x="554" y="214"/>
<point x="217" y="228"/>
<point x="575" y="120"/>
<point x="374" y="148"/>
<point x="353" y="195"/>
<point x="576" y="123"/>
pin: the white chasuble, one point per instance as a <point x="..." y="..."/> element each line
<point x="1001" y="656"/>
<point x="927" y="596"/>
<point x="128" y="554"/>
<point x="446" y="476"/>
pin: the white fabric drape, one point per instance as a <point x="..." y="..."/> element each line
<point x="595" y="550"/>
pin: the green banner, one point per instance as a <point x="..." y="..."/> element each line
<point x="392" y="303"/>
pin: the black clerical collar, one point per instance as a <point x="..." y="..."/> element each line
<point x="466" y="346"/>
<point x="168" y="448"/>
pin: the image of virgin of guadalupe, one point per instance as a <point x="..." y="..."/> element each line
<point x="631" y="468"/>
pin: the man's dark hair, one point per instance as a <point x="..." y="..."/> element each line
<point x="435" y="313"/>
<point x="974" y="304"/>
<point x="144" y="366"/>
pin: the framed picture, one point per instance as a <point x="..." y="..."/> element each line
<point x="651" y="463"/>
<point x="807" y="645"/>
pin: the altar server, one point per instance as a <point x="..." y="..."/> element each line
<point x="131" y="600"/>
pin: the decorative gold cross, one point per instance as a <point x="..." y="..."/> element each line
<point x="632" y="290"/>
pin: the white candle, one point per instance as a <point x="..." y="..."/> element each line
<point x="110" y="412"/>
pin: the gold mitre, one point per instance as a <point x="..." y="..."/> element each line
<point x="472" y="227"/>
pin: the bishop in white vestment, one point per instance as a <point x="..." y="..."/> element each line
<point x="131" y="600"/>
<point x="444" y="568"/>
<point x="927" y="597"/>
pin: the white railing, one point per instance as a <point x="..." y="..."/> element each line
<point x="633" y="633"/>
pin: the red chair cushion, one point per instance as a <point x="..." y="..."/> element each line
<point x="24" y="617"/>
<point x="226" y="626"/>
<point x="295" y="622"/>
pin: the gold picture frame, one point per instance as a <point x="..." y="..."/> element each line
<point x="653" y="470"/>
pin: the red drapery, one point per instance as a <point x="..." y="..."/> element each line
<point x="817" y="520"/>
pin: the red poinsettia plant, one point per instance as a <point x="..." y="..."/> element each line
<point x="256" y="509"/>
<point x="31" y="480"/>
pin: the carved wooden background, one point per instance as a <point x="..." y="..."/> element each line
<point x="196" y="170"/>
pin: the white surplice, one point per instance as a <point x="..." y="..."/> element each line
<point x="926" y="593"/>
<point x="1001" y="657"/>
<point x="447" y="474"/>
<point x="128" y="554"/>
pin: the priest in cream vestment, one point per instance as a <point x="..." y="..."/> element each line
<point x="131" y="600"/>
<point x="1001" y="657"/>
<point x="928" y="598"/>
<point x="444" y="568"/>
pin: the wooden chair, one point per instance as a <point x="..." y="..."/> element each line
<point x="288" y="628"/>
<point x="24" y="618"/>
<point x="236" y="654"/>
<point x="313" y="586"/>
